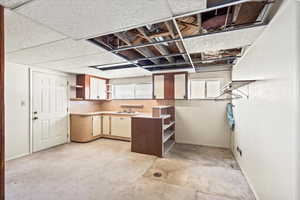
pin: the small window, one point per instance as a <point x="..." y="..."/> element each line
<point x="204" y="89"/>
<point x="124" y="91"/>
<point x="143" y="91"/>
<point x="132" y="91"/>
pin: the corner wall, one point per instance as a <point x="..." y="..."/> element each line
<point x="203" y="122"/>
<point x="17" y="105"/>
<point x="266" y="122"/>
<point x="297" y="141"/>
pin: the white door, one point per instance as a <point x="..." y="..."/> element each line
<point x="49" y="107"/>
<point x="180" y="86"/>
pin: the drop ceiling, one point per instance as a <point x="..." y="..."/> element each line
<point x="224" y="40"/>
<point x="58" y="50"/>
<point x="22" y="33"/>
<point x="52" y="34"/>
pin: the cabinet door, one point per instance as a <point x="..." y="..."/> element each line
<point x="105" y="124"/>
<point x="159" y="87"/>
<point x="101" y="89"/>
<point x="97" y="125"/>
<point x="93" y="88"/>
<point x="121" y="126"/>
<point x="180" y="86"/>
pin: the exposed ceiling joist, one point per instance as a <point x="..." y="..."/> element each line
<point x="143" y="50"/>
<point x="178" y="44"/>
<point x="162" y="49"/>
<point x="236" y="12"/>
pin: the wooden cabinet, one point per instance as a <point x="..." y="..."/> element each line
<point x="180" y="86"/>
<point x="84" y="128"/>
<point x="91" y="87"/>
<point x="170" y="85"/>
<point x="97" y="125"/>
<point x="105" y="124"/>
<point x="121" y="126"/>
<point x="97" y="89"/>
<point x="154" y="135"/>
<point x="158" y="87"/>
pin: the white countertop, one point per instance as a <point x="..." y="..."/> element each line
<point x="111" y="113"/>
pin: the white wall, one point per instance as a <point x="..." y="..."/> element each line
<point x="266" y="123"/>
<point x="16" y="111"/>
<point x="297" y="141"/>
<point x="203" y="122"/>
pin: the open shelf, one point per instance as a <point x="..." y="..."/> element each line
<point x="231" y="86"/>
<point x="154" y="135"/>
<point x="165" y="116"/>
<point x="167" y="135"/>
<point x="168" y="146"/>
<point x="165" y="127"/>
<point x="76" y="99"/>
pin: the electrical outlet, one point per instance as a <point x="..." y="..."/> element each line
<point x="239" y="150"/>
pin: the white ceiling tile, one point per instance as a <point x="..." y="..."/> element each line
<point x="13" y="3"/>
<point x="184" y="6"/>
<point x="225" y="40"/>
<point x="83" y="61"/>
<point x="20" y="32"/>
<point x="58" y="50"/>
<point x="82" y="19"/>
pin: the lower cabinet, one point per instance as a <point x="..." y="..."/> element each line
<point x="85" y="128"/>
<point x="106" y="125"/>
<point x="97" y="125"/>
<point x="121" y="126"/>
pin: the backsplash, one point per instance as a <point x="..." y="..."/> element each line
<point x="115" y="105"/>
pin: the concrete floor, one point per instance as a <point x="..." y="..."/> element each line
<point x="106" y="169"/>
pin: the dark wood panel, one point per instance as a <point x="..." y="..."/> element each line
<point x="2" y="130"/>
<point x="169" y="86"/>
<point x="146" y="136"/>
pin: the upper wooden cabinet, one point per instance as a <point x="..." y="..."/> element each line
<point x="91" y="87"/>
<point x="170" y="85"/>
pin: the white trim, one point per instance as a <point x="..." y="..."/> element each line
<point x="245" y="175"/>
<point x="18" y="156"/>
<point x="30" y="113"/>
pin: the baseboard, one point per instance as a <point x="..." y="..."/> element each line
<point x="247" y="178"/>
<point x="206" y="145"/>
<point x="18" y="156"/>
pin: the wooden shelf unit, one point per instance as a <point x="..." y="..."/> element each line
<point x="154" y="135"/>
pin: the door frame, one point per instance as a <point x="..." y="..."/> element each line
<point x="50" y="72"/>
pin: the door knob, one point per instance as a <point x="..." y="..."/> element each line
<point x="35" y="112"/>
<point x="35" y="118"/>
